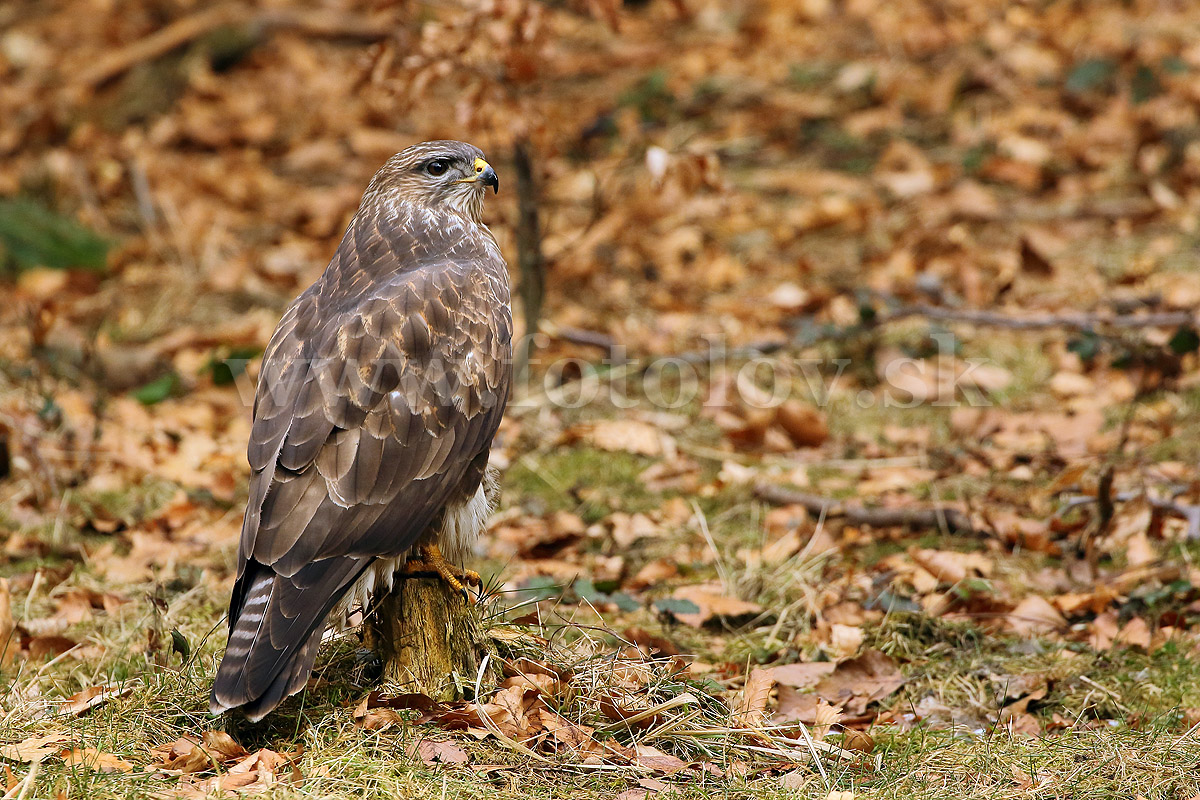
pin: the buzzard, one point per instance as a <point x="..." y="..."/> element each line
<point x="379" y="395"/>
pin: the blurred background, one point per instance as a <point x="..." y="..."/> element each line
<point x="698" y="168"/>
<point x="896" y="253"/>
<point x="844" y="183"/>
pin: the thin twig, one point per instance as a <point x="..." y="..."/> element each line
<point x="953" y="519"/>
<point x="582" y="336"/>
<point x="27" y="784"/>
<point x="1075" y="321"/>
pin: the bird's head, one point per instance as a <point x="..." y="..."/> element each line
<point x="445" y="174"/>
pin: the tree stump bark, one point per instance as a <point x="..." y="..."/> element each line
<point x="430" y="639"/>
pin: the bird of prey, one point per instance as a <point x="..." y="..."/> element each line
<point x="379" y="395"/>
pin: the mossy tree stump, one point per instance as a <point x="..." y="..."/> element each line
<point x="430" y="639"/>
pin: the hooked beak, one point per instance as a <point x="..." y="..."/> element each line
<point x="486" y="175"/>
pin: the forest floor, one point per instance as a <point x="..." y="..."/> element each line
<point x="860" y="455"/>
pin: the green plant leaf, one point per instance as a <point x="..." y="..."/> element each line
<point x="32" y="235"/>
<point x="1185" y="340"/>
<point x="1090" y="75"/>
<point x="227" y="369"/>
<point x="676" y="606"/>
<point x="179" y="644"/>
<point x="157" y="390"/>
<point x="1144" y="85"/>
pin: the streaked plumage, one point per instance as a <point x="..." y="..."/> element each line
<point x="380" y="392"/>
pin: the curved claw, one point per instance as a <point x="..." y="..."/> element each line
<point x="432" y="560"/>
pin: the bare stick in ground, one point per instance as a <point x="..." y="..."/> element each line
<point x="429" y="638"/>
<point x="950" y="519"/>
<point x="531" y="262"/>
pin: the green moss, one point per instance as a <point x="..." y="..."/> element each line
<point x="590" y="482"/>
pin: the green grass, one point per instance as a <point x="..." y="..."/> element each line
<point x="587" y="481"/>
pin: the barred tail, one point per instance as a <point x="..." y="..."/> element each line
<point x="275" y="632"/>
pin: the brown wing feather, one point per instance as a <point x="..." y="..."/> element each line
<point x="383" y="384"/>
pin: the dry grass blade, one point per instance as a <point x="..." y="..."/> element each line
<point x="627" y="723"/>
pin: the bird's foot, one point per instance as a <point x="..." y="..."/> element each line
<point x="432" y="561"/>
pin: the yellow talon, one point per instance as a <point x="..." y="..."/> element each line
<point x="432" y="560"/>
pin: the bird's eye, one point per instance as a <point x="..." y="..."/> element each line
<point x="437" y="167"/>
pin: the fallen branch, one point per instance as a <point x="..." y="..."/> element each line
<point x="583" y="337"/>
<point x="942" y="517"/>
<point x="1076" y="321"/>
<point x="1189" y="512"/>
<point x="812" y="334"/>
<point x="316" y="22"/>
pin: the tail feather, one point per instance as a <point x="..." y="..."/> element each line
<point x="287" y="683"/>
<point x="274" y="634"/>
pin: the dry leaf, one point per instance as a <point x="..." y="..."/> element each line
<point x="1071" y="384"/>
<point x="630" y="528"/>
<point x="636" y="793"/>
<point x="255" y="772"/>
<point x="803" y="424"/>
<point x="95" y="760"/>
<point x="1135" y="633"/>
<point x="795" y="705"/>
<point x="188" y="755"/>
<point x="1104" y="631"/>
<point x="437" y="752"/>
<point x="950" y="567"/>
<point x="35" y="748"/>
<point x="855" y="683"/>
<point x="650" y="643"/>
<point x="1035" y="615"/>
<point x="222" y="746"/>
<point x="378" y="711"/>
<point x="82" y="702"/>
<point x="802" y="676"/>
<point x="824" y="717"/>
<point x="783" y="548"/>
<point x="796" y="779"/>
<point x="654" y="759"/>
<point x="625" y="435"/>
<point x="652" y="573"/>
<point x="750" y="704"/>
<point x="711" y="604"/>
<point x="42" y="647"/>
<point x="1140" y="550"/>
